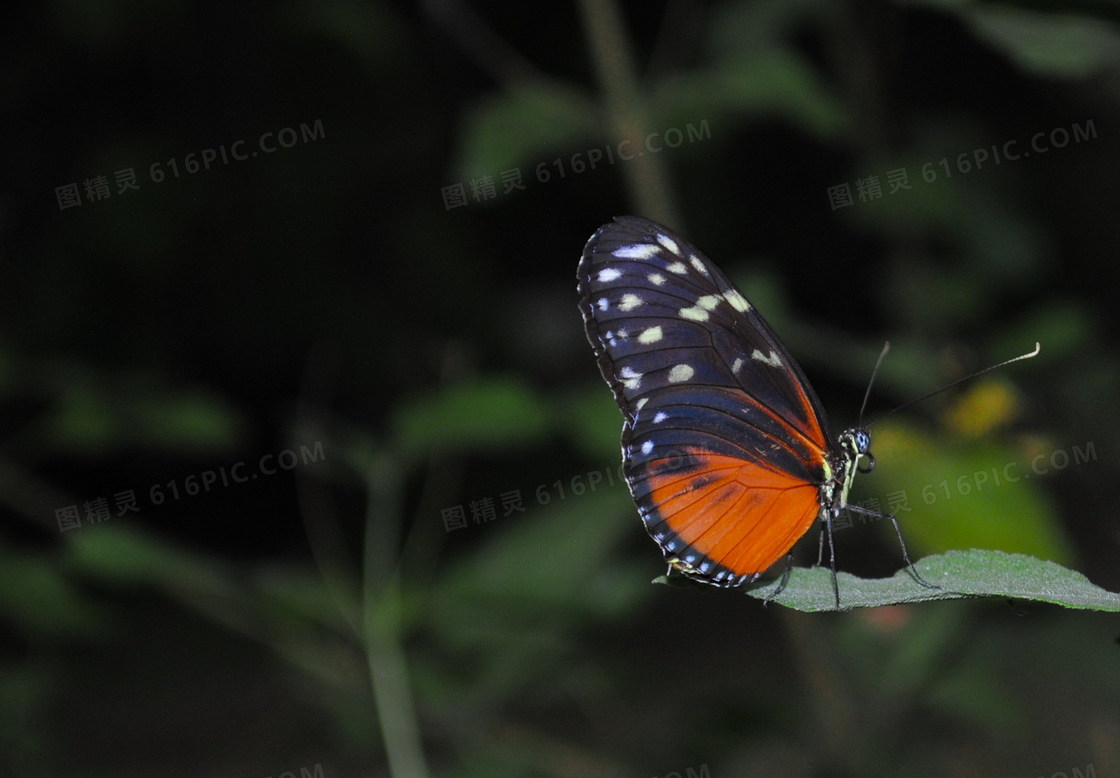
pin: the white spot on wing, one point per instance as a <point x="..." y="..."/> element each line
<point x="656" y="279"/>
<point x="608" y="274"/>
<point x="614" y="337"/>
<point x="699" y="312"/>
<point x="678" y="268"/>
<point x="698" y="264"/>
<point x="737" y="301"/>
<point x="641" y="403"/>
<point x="773" y="360"/>
<point x="637" y="251"/>
<point x="659" y="417"/>
<point x="680" y="373"/>
<point x="604" y="303"/>
<point x="694" y="313"/>
<point x="629" y="302"/>
<point x="737" y="364"/>
<point x="647" y="447"/>
<point x="630" y="378"/>
<point x="669" y="243"/>
<point x="652" y="335"/>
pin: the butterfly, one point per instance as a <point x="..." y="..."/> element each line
<point x="726" y="448"/>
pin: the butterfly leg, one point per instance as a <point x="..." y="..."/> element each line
<point x="831" y="557"/>
<point x="820" y="545"/>
<point x="826" y="529"/>
<point x="902" y="543"/>
<point x="781" y="582"/>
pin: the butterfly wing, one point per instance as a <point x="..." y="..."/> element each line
<point x="724" y="442"/>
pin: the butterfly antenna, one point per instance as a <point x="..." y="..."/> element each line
<point x="969" y="377"/>
<point x="870" y="383"/>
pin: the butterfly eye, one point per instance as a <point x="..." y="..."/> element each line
<point x="863" y="443"/>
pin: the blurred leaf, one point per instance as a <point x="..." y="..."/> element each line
<point x="593" y="423"/>
<point x="371" y="32"/>
<point x="971" y="693"/>
<point x="742" y="29"/>
<point x="289" y="610"/>
<point x="40" y="601"/>
<point x="182" y="421"/>
<point x="757" y="70"/>
<point x="947" y="496"/>
<point x="984" y="247"/>
<point x="84" y="420"/>
<point x="1063" y="326"/>
<point x="1051" y="44"/>
<point x="300" y="597"/>
<point x="776" y="83"/>
<point x="487" y="413"/>
<point x="524" y="127"/>
<point x="973" y="573"/>
<point x="511" y="608"/>
<point x="897" y="653"/>
<point x="904" y="662"/>
<point x="120" y="554"/>
<point x="520" y="567"/>
<point x="97" y="413"/>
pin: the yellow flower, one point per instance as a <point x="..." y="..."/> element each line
<point x="983" y="408"/>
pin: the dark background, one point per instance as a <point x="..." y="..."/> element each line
<point x="364" y="371"/>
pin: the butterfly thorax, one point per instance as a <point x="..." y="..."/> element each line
<point x="842" y="464"/>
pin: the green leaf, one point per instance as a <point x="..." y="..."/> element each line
<point x="523" y="127"/>
<point x="121" y="554"/>
<point x="489" y="413"/>
<point x="961" y="574"/>
<point x="775" y="83"/>
<point x="500" y="609"/>
<point x="40" y="601"/>
<point x="509" y="582"/>
<point x="592" y="422"/>
<point x="1052" y="44"/>
<point x="948" y="495"/>
<point x="96" y="413"/>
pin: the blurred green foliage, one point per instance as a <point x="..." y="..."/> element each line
<point x="331" y="614"/>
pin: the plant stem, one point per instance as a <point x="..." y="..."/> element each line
<point x="646" y="179"/>
<point x="383" y="610"/>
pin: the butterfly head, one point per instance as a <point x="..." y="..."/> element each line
<point x="856" y="443"/>
<point x="855" y="446"/>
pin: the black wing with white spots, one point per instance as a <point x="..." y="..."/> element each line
<point x="688" y="358"/>
<point x="725" y="446"/>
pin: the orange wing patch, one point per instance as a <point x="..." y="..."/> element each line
<point x="739" y="514"/>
